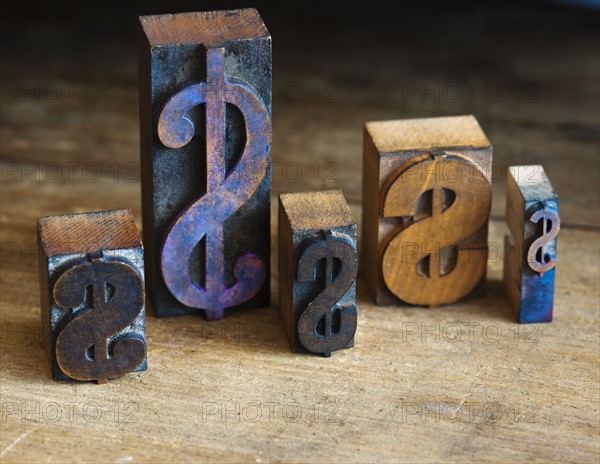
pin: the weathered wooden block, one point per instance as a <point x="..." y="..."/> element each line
<point x="426" y="204"/>
<point x="205" y="117"/>
<point x="91" y="269"/>
<point x="530" y="251"/>
<point x="317" y="271"/>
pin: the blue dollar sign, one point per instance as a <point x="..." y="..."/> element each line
<point x="225" y="194"/>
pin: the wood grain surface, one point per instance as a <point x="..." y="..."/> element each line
<point x="460" y="383"/>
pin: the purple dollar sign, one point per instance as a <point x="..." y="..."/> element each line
<point x="225" y="194"/>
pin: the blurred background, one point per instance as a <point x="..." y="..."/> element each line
<point x="529" y="72"/>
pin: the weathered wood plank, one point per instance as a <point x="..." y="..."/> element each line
<point x="429" y="376"/>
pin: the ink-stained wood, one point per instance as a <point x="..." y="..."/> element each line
<point x="317" y="271"/>
<point x="426" y="202"/>
<point x="397" y="395"/>
<point x="530" y="249"/>
<point x="92" y="295"/>
<point x="205" y="115"/>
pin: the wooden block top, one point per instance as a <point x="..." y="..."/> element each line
<point x="533" y="183"/>
<point x="206" y="27"/>
<point x="88" y="232"/>
<point x="425" y="133"/>
<point x="317" y="210"/>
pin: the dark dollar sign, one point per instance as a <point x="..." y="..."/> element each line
<point x="324" y="326"/>
<point x="204" y="218"/>
<point x="82" y="349"/>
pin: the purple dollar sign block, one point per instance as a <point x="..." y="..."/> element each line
<point x="530" y="251"/>
<point x="205" y="109"/>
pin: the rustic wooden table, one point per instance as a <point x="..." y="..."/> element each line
<point x="460" y="383"/>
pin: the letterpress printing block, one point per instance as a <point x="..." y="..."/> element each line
<point x="205" y="117"/>
<point x="317" y="271"/>
<point x="91" y="269"/>
<point x="530" y="251"/>
<point x="426" y="204"/>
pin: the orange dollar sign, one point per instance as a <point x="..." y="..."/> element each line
<point x="443" y="200"/>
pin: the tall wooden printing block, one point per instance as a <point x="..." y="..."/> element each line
<point x="530" y="251"/>
<point x="205" y="117"/>
<point x="426" y="205"/>
<point x="317" y="271"/>
<point x="91" y="273"/>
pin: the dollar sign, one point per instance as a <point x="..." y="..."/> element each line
<point x="324" y="326"/>
<point x="447" y="199"/>
<point x="539" y="260"/>
<point x="225" y="194"/>
<point x="82" y="349"/>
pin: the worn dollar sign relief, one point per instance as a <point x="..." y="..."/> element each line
<point x="324" y="326"/>
<point x="204" y="218"/>
<point x="538" y="257"/>
<point x="108" y="296"/>
<point x="429" y="260"/>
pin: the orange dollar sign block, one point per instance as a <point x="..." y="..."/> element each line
<point x="93" y="309"/>
<point x="426" y="205"/>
